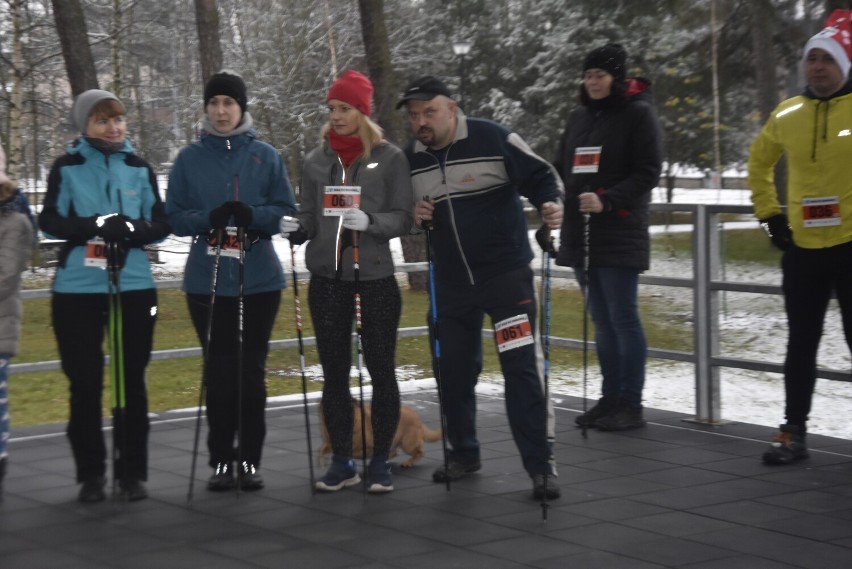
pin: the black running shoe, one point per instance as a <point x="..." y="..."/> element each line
<point x="455" y="470"/>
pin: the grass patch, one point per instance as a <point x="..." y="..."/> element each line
<point x="38" y="398"/>
<point x="42" y="397"/>
<point x="741" y="245"/>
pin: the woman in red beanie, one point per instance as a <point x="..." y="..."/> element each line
<point x="355" y="184"/>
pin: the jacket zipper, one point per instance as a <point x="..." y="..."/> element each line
<point x="456" y="237"/>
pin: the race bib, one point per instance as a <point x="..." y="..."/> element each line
<point x="337" y="199"/>
<point x="96" y="253"/>
<point x="587" y="159"/>
<point x="821" y="212"/>
<point x="230" y="244"/>
<point x="513" y="332"/>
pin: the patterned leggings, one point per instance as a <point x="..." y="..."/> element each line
<point x="4" y="403"/>
<point x="332" y="312"/>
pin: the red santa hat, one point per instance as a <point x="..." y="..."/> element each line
<point x="836" y="39"/>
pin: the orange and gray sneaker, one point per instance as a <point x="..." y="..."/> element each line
<point x="788" y="445"/>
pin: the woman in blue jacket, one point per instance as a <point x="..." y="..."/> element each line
<point x="101" y="191"/>
<point x="229" y="178"/>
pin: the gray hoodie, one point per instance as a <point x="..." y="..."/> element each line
<point x="16" y="242"/>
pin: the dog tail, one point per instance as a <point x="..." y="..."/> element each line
<point x="431" y="436"/>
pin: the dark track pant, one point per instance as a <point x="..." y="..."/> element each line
<point x="810" y="277"/>
<point x="225" y="416"/>
<point x="79" y="323"/>
<point x="461" y="311"/>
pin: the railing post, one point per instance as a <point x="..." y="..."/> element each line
<point x="706" y="263"/>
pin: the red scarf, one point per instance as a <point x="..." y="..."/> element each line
<point x="349" y="148"/>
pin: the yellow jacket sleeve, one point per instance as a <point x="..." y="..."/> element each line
<point x="765" y="152"/>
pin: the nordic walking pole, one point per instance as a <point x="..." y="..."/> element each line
<point x="241" y="238"/>
<point x="116" y="360"/>
<point x="436" y="347"/>
<point x="206" y="364"/>
<point x="548" y="252"/>
<point x="356" y="267"/>
<point x="586" y="254"/>
<point x="297" y="306"/>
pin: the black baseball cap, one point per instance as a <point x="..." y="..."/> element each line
<point x="424" y="89"/>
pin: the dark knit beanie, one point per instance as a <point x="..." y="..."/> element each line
<point x="226" y="83"/>
<point x="354" y="89"/>
<point x="611" y="58"/>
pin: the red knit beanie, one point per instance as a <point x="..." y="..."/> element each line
<point x="354" y="89"/>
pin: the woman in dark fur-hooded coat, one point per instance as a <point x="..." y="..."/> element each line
<point x="610" y="159"/>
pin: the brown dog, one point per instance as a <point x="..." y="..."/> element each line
<point x="410" y="434"/>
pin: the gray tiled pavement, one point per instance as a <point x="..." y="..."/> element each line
<point x="674" y="494"/>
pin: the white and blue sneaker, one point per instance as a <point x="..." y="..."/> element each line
<point x="341" y="473"/>
<point x="379" y="476"/>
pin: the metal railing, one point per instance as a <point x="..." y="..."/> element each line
<point x="706" y="283"/>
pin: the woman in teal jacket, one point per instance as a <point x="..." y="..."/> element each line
<point x="229" y="178"/>
<point x="101" y="191"/>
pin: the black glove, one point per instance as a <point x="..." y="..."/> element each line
<point x="241" y="212"/>
<point x="142" y="234"/>
<point x="298" y="237"/>
<point x="219" y="216"/>
<point x="778" y="229"/>
<point x="545" y="241"/>
<point x="85" y="228"/>
<point x="114" y="228"/>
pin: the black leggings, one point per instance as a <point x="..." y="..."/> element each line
<point x="332" y="304"/>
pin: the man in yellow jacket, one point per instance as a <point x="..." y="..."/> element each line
<point x="814" y="130"/>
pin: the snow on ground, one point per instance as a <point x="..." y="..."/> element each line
<point x="753" y="326"/>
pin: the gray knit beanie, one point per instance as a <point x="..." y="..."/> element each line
<point x="83" y="105"/>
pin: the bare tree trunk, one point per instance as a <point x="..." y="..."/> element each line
<point x="115" y="45"/>
<point x="717" y="148"/>
<point x="382" y="75"/>
<point x="332" y="49"/>
<point x="14" y="151"/>
<point x="766" y="78"/>
<point x="375" y="34"/>
<point x="71" y="27"/>
<point x="209" y="50"/>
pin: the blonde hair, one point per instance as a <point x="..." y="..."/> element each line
<point x="370" y="133"/>
<point x="7" y="190"/>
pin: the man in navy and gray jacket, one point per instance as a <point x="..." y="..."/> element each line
<point x="468" y="176"/>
